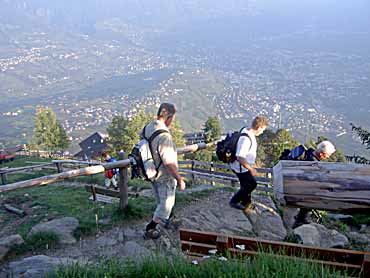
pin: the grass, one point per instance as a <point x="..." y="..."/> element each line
<point x="179" y="267"/>
<point x="49" y="202"/>
<point x="35" y="243"/>
<point x="359" y="219"/>
<point x="20" y="161"/>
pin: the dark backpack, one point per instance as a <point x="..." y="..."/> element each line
<point x="226" y="148"/>
<point x="141" y="156"/>
<point x="297" y="153"/>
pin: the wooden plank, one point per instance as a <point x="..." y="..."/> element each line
<point x="19" y="169"/>
<point x="76" y="162"/>
<point x="104" y="199"/>
<point x="365" y="268"/>
<point x="200" y="249"/>
<point x="12" y="209"/>
<point x="106" y="191"/>
<point x="220" y="175"/>
<point x="338" y="255"/>
<point x="319" y="185"/>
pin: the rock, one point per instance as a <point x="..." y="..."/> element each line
<point x="36" y="266"/>
<point x="134" y="250"/>
<point x="106" y="241"/>
<point x="359" y="239"/>
<point x="218" y="218"/>
<point x="340" y="217"/>
<point x="7" y="242"/>
<point x="62" y="227"/>
<point x="363" y="228"/>
<point x="146" y="193"/>
<point x="318" y="235"/>
<point x="130" y="234"/>
<point x="266" y="222"/>
<point x="288" y="216"/>
<point x="11" y="240"/>
<point x="120" y="236"/>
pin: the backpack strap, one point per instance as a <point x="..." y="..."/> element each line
<point x="150" y="140"/>
<point x="250" y="147"/>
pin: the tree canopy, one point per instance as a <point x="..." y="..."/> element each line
<point x="123" y="133"/>
<point x="49" y="134"/>
<point x="364" y="136"/>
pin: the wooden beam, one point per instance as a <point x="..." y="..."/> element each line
<point x="322" y="185"/>
<point x="53" y="178"/>
<point x="291" y="249"/>
<point x="365" y="269"/>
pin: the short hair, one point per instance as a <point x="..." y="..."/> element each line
<point x="259" y="121"/>
<point x="166" y="110"/>
<point x="326" y="147"/>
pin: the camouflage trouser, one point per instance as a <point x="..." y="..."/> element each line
<point x="164" y="192"/>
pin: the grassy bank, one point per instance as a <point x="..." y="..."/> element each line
<point x="179" y="267"/>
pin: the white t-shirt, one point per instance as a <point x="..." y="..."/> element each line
<point x="246" y="148"/>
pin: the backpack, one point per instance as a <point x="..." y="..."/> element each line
<point x="141" y="156"/>
<point x="226" y="148"/>
<point x="297" y="153"/>
<point x="109" y="174"/>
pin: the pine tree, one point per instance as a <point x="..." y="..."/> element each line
<point x="49" y="134"/>
<point x="212" y="129"/>
<point x="365" y="138"/>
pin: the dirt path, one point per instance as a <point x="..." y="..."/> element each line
<point x="211" y="213"/>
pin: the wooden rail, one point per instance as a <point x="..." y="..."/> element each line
<point x="122" y="164"/>
<point x="197" y="243"/>
<point x="221" y="173"/>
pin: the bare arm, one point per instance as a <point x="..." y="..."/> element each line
<point x="246" y="165"/>
<point x="172" y="169"/>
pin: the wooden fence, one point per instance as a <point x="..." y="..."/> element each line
<point x="57" y="165"/>
<point x="221" y="173"/>
<point x="199" y="243"/>
<point x="123" y="163"/>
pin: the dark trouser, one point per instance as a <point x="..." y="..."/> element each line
<point x="302" y="215"/>
<point x="247" y="185"/>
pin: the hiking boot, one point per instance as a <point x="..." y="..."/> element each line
<point x="152" y="234"/>
<point x="249" y="207"/>
<point x="238" y="206"/>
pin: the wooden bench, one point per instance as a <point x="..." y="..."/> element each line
<point x="198" y="244"/>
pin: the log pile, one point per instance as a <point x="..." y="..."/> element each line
<point x="323" y="185"/>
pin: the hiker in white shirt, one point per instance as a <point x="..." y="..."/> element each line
<point x="246" y="153"/>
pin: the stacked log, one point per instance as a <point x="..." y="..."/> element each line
<point x="323" y="185"/>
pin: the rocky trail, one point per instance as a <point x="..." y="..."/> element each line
<point x="211" y="213"/>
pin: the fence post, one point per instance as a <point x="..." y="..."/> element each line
<point x="192" y="174"/>
<point x="59" y="167"/>
<point x="123" y="183"/>
<point x="3" y="178"/>
<point x="212" y="170"/>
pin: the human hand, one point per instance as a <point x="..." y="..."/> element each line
<point x="253" y="171"/>
<point x="181" y="184"/>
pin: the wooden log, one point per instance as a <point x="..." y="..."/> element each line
<point x="92" y="170"/>
<point x="12" y="209"/>
<point x="323" y="185"/>
<point x="53" y="178"/>
<point x="20" y="169"/>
